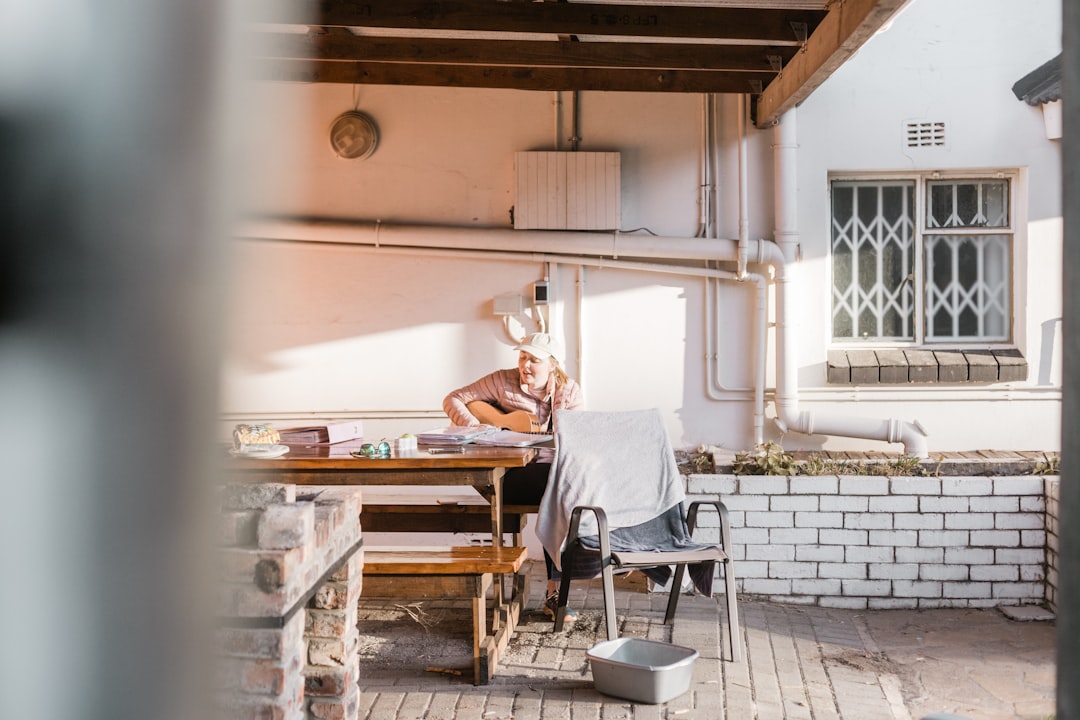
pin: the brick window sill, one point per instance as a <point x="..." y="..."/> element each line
<point x="896" y="366"/>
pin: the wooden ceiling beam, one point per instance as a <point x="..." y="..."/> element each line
<point x="844" y="30"/>
<point x="779" y="56"/>
<point x="559" y="18"/>
<point x="567" y="54"/>
<point x="519" y="78"/>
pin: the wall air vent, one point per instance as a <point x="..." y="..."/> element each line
<point x="924" y="133"/>
<point x="566" y="190"/>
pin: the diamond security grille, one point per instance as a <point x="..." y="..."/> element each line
<point x="967" y="287"/>
<point x="967" y="204"/>
<point x="873" y="250"/>
<point x="967" y="278"/>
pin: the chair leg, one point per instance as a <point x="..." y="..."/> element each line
<point x="732" y="611"/>
<point x="676" y="590"/>
<point x="608" y="580"/>
<point x="729" y="583"/>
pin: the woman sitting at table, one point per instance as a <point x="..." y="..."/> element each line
<point x="524" y="399"/>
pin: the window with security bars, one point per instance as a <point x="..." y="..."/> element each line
<point x="921" y="260"/>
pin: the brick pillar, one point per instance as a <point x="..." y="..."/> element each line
<point x="333" y="656"/>
<point x="288" y="648"/>
<point x="259" y="672"/>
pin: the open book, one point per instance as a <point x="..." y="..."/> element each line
<point x="510" y="438"/>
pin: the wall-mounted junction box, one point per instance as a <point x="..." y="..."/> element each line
<point x="540" y="293"/>
<point x="509" y="304"/>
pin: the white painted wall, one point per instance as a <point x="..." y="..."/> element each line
<point x="327" y="331"/>
<point x="955" y="61"/>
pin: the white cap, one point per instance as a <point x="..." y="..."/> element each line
<point x="542" y="345"/>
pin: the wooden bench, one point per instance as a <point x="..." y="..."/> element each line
<point x="400" y="512"/>
<point x="455" y="572"/>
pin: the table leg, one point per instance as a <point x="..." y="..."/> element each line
<point x="497" y="535"/>
<point x="497" y="506"/>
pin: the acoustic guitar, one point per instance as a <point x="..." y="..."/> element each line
<point x="516" y="420"/>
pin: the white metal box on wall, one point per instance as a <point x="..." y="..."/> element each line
<point x="566" y="190"/>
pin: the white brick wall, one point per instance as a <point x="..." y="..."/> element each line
<point x="1051" y="501"/>
<point x="902" y="542"/>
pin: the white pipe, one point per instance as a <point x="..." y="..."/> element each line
<point x="575" y="138"/>
<point x="714" y="158"/>
<point x="555" y="243"/>
<point x="760" y="359"/>
<point x="480" y="254"/>
<point x="714" y="390"/>
<point x="556" y="101"/>
<point x="580" y="313"/>
<point x="744" y="249"/>
<point x="788" y="415"/>
<point x="709" y="227"/>
<point x="744" y="188"/>
<point x="704" y="172"/>
<point x="514" y="339"/>
<point x="785" y="180"/>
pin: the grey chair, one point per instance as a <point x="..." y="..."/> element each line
<point x="615" y="494"/>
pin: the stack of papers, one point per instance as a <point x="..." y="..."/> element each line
<point x="509" y="438"/>
<point x="454" y="434"/>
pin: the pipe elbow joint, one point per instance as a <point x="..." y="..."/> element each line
<point x="769" y="253"/>
<point x="801" y="421"/>
<point x="914" y="438"/>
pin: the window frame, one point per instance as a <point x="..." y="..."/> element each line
<point x="922" y="180"/>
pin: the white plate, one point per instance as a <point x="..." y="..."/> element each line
<point x="261" y="452"/>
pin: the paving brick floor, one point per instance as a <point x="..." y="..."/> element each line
<point x="799" y="662"/>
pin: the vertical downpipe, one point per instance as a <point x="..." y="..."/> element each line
<point x="744" y="189"/>
<point x="785" y="145"/>
<point x="705" y="171"/>
<point x="556" y="102"/>
<point x="743" y="253"/>
<point x="785" y="148"/>
<point x="579" y="350"/>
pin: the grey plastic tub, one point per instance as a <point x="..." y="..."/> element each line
<point x="645" y="671"/>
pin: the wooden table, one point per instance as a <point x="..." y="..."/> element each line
<point x="479" y="467"/>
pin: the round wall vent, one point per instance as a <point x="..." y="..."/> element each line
<point x="354" y="135"/>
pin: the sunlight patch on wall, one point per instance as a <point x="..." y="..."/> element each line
<point x="395" y="369"/>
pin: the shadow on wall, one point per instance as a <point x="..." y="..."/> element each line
<point x="1051" y="331"/>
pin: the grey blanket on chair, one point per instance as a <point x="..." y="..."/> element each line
<point x="622" y="462"/>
